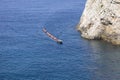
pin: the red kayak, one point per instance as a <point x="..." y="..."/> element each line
<point x="51" y="36"/>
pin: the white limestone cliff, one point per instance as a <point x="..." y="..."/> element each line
<point x="101" y="20"/>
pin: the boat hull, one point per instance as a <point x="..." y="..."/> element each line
<point x="52" y="37"/>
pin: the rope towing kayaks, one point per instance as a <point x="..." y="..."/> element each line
<point x="51" y="36"/>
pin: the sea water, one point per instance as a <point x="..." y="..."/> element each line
<point x="26" y="53"/>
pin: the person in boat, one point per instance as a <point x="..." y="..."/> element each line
<point x="51" y="36"/>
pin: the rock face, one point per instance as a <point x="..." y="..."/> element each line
<point x="101" y="20"/>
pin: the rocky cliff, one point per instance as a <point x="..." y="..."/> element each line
<point x="101" y="20"/>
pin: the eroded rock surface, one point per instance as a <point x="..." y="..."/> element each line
<point x="101" y="20"/>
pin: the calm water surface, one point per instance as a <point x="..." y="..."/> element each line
<point x="26" y="53"/>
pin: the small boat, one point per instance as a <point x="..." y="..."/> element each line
<point x="51" y="36"/>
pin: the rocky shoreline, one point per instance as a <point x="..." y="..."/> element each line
<point x="101" y="20"/>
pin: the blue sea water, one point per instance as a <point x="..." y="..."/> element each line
<point x="26" y="53"/>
